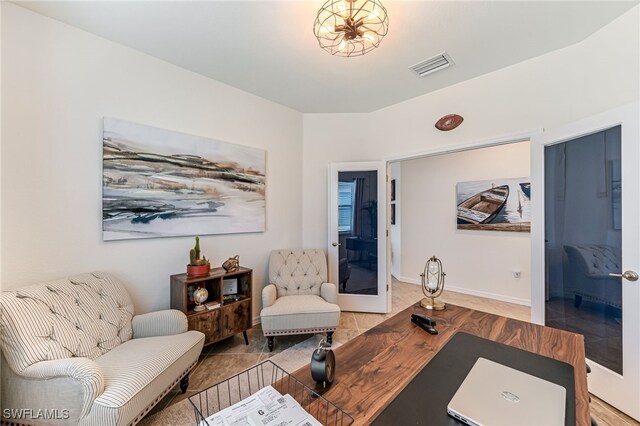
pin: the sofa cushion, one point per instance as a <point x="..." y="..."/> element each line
<point x="297" y="313"/>
<point x="137" y="370"/>
<point x="600" y="260"/>
<point x="297" y="272"/>
<point x="82" y="316"/>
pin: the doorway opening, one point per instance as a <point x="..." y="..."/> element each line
<point x="490" y="258"/>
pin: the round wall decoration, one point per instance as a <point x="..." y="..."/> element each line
<point x="449" y="122"/>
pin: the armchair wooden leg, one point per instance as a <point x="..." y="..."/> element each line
<point x="329" y="337"/>
<point x="184" y="383"/>
<point x="246" y="339"/>
<point x="270" y="343"/>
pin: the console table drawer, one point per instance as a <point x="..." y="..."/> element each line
<point x="207" y="323"/>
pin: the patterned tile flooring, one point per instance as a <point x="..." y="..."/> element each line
<point x="226" y="358"/>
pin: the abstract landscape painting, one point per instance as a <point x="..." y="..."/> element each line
<point x="160" y="183"/>
<point x="495" y="205"/>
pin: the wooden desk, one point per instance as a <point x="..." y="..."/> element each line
<point x="374" y="367"/>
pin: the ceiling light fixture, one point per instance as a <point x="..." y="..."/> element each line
<point x="351" y="27"/>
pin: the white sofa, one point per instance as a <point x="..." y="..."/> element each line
<point x="586" y="274"/>
<point x="298" y="298"/>
<point x="74" y="353"/>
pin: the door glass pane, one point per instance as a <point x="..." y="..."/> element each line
<point x="358" y="232"/>
<point x="584" y="242"/>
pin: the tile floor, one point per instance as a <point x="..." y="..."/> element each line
<point x="224" y="359"/>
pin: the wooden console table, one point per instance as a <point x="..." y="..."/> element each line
<point x="231" y="316"/>
<point x="373" y="368"/>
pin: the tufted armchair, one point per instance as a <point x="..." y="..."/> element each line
<point x="586" y="274"/>
<point x="298" y="298"/>
<point x="74" y="347"/>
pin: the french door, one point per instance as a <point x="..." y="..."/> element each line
<point x="358" y="236"/>
<point x="586" y="245"/>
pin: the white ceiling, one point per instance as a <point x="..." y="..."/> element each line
<point x="268" y="48"/>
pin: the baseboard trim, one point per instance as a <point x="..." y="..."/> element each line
<point x="256" y="320"/>
<point x="471" y="292"/>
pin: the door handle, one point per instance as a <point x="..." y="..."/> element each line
<point x="627" y="275"/>
<point x="336" y="244"/>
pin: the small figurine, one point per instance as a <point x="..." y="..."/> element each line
<point x="232" y="264"/>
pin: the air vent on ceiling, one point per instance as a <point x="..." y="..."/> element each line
<point x="434" y="64"/>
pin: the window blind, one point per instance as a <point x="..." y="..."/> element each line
<point x="346" y="193"/>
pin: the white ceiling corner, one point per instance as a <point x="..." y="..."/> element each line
<point x="268" y="48"/>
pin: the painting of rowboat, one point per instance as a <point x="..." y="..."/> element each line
<point x="495" y="205"/>
<point x="160" y="183"/>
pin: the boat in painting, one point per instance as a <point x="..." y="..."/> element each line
<point x="484" y="206"/>
<point x="526" y="188"/>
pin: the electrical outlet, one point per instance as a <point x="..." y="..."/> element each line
<point x="517" y="274"/>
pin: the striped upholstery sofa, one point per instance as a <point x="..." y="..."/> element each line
<point x="298" y="300"/>
<point x="74" y="353"/>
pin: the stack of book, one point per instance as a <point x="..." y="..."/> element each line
<point x="212" y="305"/>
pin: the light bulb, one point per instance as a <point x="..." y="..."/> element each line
<point x="342" y="9"/>
<point x="374" y="15"/>
<point x="371" y="37"/>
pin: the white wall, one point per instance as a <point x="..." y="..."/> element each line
<point x="476" y="262"/>
<point x="58" y="83"/>
<point x="327" y="138"/>
<point x="594" y="75"/>
<point x="1" y="32"/>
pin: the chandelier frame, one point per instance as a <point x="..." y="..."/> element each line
<point x="351" y="27"/>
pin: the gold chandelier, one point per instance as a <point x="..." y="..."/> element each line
<point x="351" y="27"/>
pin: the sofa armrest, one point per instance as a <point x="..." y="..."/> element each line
<point x="269" y="295"/>
<point x="159" y="323"/>
<point x="329" y="292"/>
<point x="86" y="373"/>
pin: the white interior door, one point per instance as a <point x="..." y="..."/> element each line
<point x="358" y="236"/>
<point x="586" y="227"/>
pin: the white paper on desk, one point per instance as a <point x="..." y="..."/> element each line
<point x="288" y="414"/>
<point x="266" y="399"/>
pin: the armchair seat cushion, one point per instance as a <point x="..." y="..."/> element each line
<point x="300" y="314"/>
